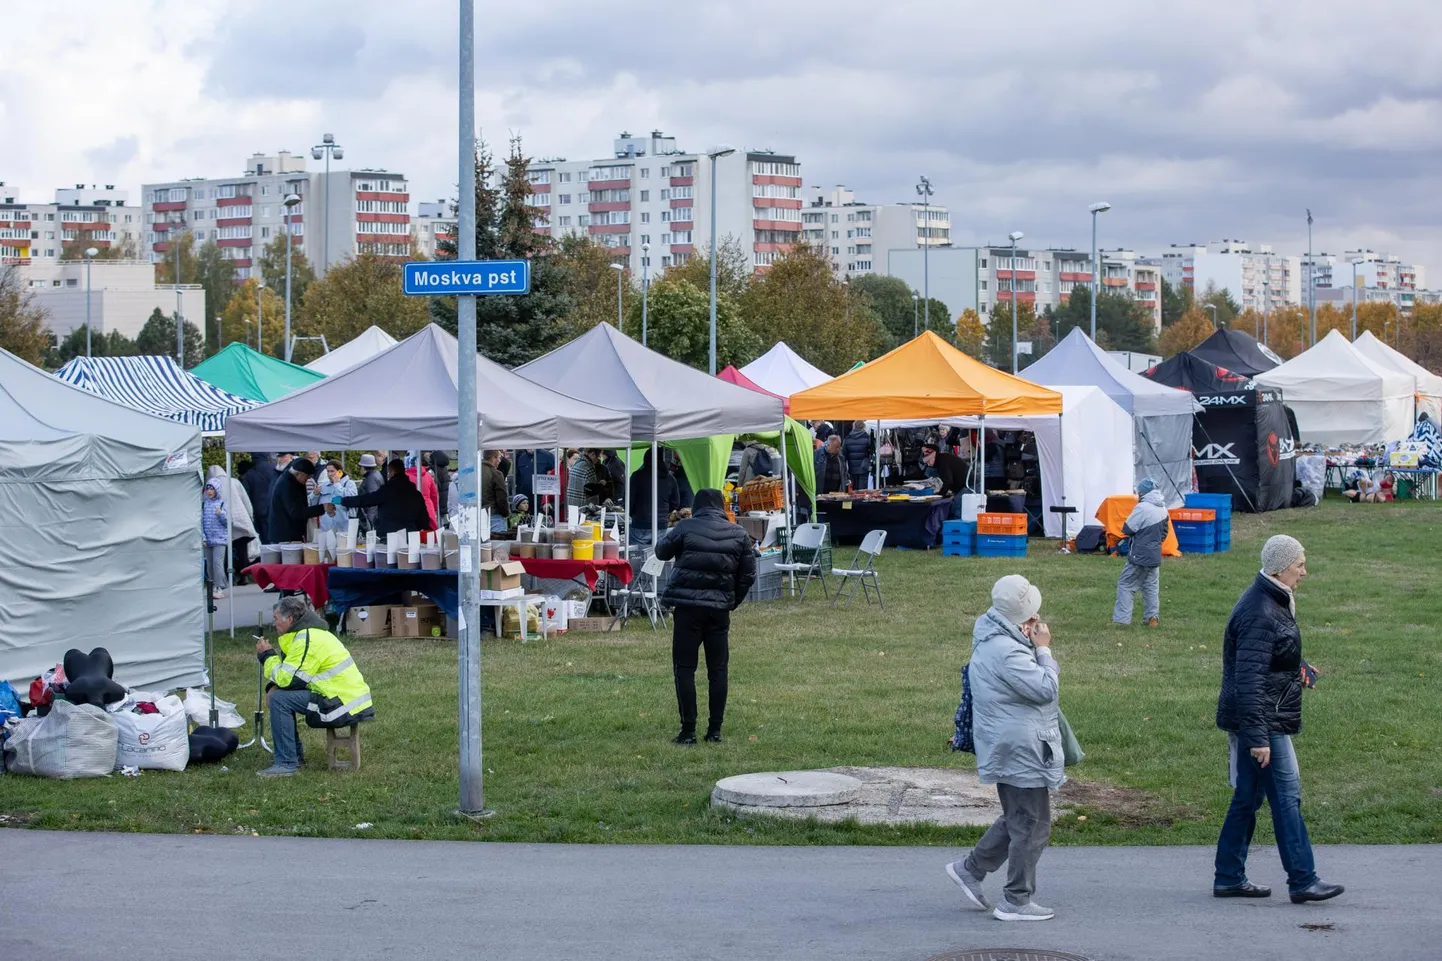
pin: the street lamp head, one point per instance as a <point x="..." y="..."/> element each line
<point x="617" y="267"/>
<point x="720" y="150"/>
<point x="315" y="153"/>
<point x="292" y="199"/>
<point x="328" y="138"/>
<point x="337" y="152"/>
<point x="1015" y="235"/>
<point x="1100" y="208"/>
<point x="915" y="295"/>
<point x="260" y="281"/>
<point x="92" y="251"/>
<point x="645" y="248"/>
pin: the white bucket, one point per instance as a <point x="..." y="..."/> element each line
<point x="292" y="553"/>
<point x="270" y="554"/>
<point x="971" y="505"/>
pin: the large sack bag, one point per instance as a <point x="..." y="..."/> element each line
<point x="157" y="742"/>
<point x="197" y="705"/>
<point x="72" y="741"/>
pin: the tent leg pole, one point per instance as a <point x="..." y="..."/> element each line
<point x="626" y="505"/>
<point x="655" y="483"/>
<point x="876" y="454"/>
<point x="786" y="495"/>
<point x="1061" y="461"/>
<point x="230" y="546"/>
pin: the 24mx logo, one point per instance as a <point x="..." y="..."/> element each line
<point x="1224" y="400"/>
<point x="1215" y="455"/>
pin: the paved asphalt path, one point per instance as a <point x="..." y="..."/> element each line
<point x="92" y="896"/>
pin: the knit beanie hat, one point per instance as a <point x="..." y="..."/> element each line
<point x="1015" y="598"/>
<point x="1146" y="486"/>
<point x="1279" y="553"/>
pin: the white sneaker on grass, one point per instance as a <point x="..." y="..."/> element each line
<point x="1031" y="911"/>
<point x="968" y="883"/>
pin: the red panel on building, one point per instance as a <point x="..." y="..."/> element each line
<point x="783" y="203"/>
<point x="1025" y="295"/>
<point x="373" y="195"/>
<point x="1076" y="276"/>
<point x="682" y="181"/>
<point x="1114" y="281"/>
<point x="608" y="185"/>
<point x="234" y="222"/>
<point x="18" y="224"/>
<point x="773" y="179"/>
<point x="383" y="218"/>
<point x="682" y="248"/>
<point x="683" y="225"/>
<point x="540" y="188"/>
<point x="1020" y="275"/>
<point x="169" y="205"/>
<point x="773" y="248"/>
<point x="1146" y="285"/>
<point x="227" y="202"/>
<point x="382" y="239"/>
<point x="236" y="242"/>
<point x="159" y="248"/>
<point x="610" y="228"/>
<point x="542" y="231"/>
<point x="600" y="208"/>
<point x="242" y="262"/>
<point x="776" y="225"/>
<point x="16" y="243"/>
<point x="684" y="202"/>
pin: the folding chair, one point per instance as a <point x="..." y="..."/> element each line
<point x="807" y="539"/>
<point x="870" y="547"/>
<point x="645" y="590"/>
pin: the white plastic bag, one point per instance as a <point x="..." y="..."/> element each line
<point x="556" y="614"/>
<point x="159" y="742"/>
<point x="72" y="741"/>
<point x="197" y="706"/>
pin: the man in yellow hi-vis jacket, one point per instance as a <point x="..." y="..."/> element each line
<point x="312" y="675"/>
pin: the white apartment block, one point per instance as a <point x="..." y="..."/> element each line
<point x="1257" y="278"/>
<point x="338" y="216"/>
<point x="650" y="202"/>
<point x="434" y="223"/>
<point x="1042" y="278"/>
<point x="92" y="216"/>
<point x="856" y="236"/>
<point x="122" y="294"/>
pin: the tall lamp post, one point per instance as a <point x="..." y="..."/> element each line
<point x="90" y="253"/>
<point x="923" y="188"/>
<point x="259" y="316"/>
<point x="1097" y="208"/>
<point x="179" y="324"/>
<point x="645" y="282"/>
<point x="1311" y="280"/>
<point x="290" y="202"/>
<point x="915" y="315"/>
<point x="327" y="148"/>
<point x="620" y="318"/>
<point x="1014" y="236"/>
<point x="1213" y="309"/>
<point x="715" y="153"/>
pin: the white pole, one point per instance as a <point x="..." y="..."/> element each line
<point x="655" y="507"/>
<point x="876" y="454"/>
<point x="230" y="539"/>
<point x="626" y="504"/>
<point x="785" y="483"/>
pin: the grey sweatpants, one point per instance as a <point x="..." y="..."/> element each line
<point x="1148" y="580"/>
<point x="1017" y="838"/>
<point x="215" y="565"/>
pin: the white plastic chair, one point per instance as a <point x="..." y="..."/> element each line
<point x="871" y="546"/>
<point x="806" y="537"/>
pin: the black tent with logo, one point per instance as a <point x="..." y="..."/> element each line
<point x="1242" y="443"/>
<point x="1237" y="352"/>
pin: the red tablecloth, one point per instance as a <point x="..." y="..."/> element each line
<point x="310" y="578"/>
<point x="570" y="570"/>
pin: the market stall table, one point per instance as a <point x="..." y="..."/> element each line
<point x="579" y="571"/>
<point x="910" y="523"/>
<point x="310" y="578"/>
<point x="1113" y="514"/>
<point x="359" y="587"/>
<point x="1424" y="480"/>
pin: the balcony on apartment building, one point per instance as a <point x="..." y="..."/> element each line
<point x="1075" y="276"/>
<point x="1020" y="275"/>
<point x="683" y="181"/>
<point x="165" y="206"/>
<point x="610" y="184"/>
<point x="395" y="197"/>
<point x="776" y="179"/>
<point x="1025" y="296"/>
<point x="239" y="200"/>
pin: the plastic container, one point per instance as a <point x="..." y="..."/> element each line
<point x="1221" y="503"/>
<point x="563" y="535"/>
<point x="404" y="562"/>
<point x="451" y="560"/>
<point x="561" y="552"/>
<point x="1192" y="514"/>
<point x="1001" y="524"/>
<point x="583" y="550"/>
<point x="595" y="530"/>
<point x="270" y="554"/>
<point x="501" y="551"/>
<point x="310" y="554"/>
<point x="971" y="506"/>
<point x="543" y="551"/>
<point x="611" y="550"/>
<point x="343" y="559"/>
<point x="431" y="559"/>
<point x="292" y="553"/>
<point x="486" y="551"/>
<point x="360" y="560"/>
<point x="525" y="550"/>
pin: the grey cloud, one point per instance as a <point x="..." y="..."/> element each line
<point x="117" y="153"/>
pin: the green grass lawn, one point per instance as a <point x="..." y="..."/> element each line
<point x="577" y="729"/>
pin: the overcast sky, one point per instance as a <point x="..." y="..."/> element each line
<point x="1197" y="121"/>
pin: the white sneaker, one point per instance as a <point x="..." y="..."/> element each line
<point x="1031" y="911"/>
<point x="218" y="595"/>
<point x="969" y="885"/>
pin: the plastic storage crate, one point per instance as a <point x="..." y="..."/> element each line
<point x="1000" y="545"/>
<point x="1221" y="503"/>
<point x="1192" y="514"/>
<point x="1001" y="524"/>
<point x="768" y="587"/>
<point x="1196" y="537"/>
<point x="958" y="538"/>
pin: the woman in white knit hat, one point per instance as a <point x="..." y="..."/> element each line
<point x="1017" y="729"/>
<point x="1260" y="708"/>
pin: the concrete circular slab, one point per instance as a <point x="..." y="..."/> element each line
<point x="786" y="789"/>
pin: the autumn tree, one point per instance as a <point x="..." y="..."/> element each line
<point x="1176" y="301"/>
<point x="1421" y="337"/>
<point x="354" y="295"/>
<point x="181" y="250"/>
<point x="24" y="324"/>
<point x="123" y="249"/>
<point x="680" y="325"/>
<point x="237" y="320"/>
<point x="1220" y="298"/>
<point x="1190" y="330"/>
<point x="590" y="283"/>
<point x="1330" y="317"/>
<point x="734" y="272"/>
<point x="272" y="270"/>
<point x="970" y="334"/>
<point x="158" y="337"/>
<point x="1122" y="323"/>
<point x="110" y="343"/>
<point x="800" y="301"/>
<point x="216" y="275"/>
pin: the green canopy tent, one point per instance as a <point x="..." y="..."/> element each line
<point x="245" y="372"/>
<point x="706" y="458"/>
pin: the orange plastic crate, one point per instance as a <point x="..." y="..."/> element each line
<point x="1001" y="523"/>
<point x="1192" y="514"/>
<point x="762" y="495"/>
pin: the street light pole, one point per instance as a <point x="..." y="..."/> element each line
<point x="620" y="317"/>
<point x="1311" y="280"/>
<point x="290" y="202"/>
<point x="90" y="253"/>
<point x="715" y="153"/>
<point x="1213" y="309"/>
<point x="179" y="323"/>
<point x="1097" y="208"/>
<point x="1014" y="236"/>
<point x="259" y="314"/>
<point x="327" y="148"/>
<point x="645" y="282"/>
<point x="924" y="189"/>
<point x="915" y="315"/>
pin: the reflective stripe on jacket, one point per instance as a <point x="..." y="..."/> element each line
<point x="314" y="657"/>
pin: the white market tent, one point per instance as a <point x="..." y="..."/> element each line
<point x="406" y="397"/>
<point x="100" y="518"/>
<point x="1429" y="386"/>
<point x="1085" y="453"/>
<point x="783" y="371"/>
<point x="371" y="342"/>
<point x="1161" y="416"/>
<point x="155" y="384"/>
<point x="1342" y="397"/>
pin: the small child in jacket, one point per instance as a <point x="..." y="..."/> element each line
<point x="1146" y="528"/>
<point x="520" y="512"/>
<point x="215" y="531"/>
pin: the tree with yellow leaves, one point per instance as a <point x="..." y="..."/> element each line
<point x="237" y="319"/>
<point x="1191" y="329"/>
<point x="362" y="291"/>
<point x="970" y="333"/>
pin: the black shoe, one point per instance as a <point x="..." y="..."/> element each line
<point x="1244" y="890"/>
<point x="1318" y="891"/>
<point x="685" y="737"/>
<point x="713" y="736"/>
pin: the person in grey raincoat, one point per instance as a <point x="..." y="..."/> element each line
<point x="1146" y="528"/>
<point x="1016" y="724"/>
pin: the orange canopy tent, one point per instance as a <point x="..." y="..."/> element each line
<point x="926" y="377"/>
<point x="733" y="376"/>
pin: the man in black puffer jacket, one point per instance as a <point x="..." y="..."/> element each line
<point x="1260" y="708"/>
<point x="857" y="450"/>
<point x="715" y="567"/>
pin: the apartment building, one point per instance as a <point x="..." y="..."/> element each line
<point x="100" y="217"/>
<point x="1385" y="271"/>
<point x="434" y="222"/>
<point x="853" y="234"/>
<point x="121" y="295"/>
<point x="1257" y="277"/>
<point x="338" y="214"/>
<point x="650" y="201"/>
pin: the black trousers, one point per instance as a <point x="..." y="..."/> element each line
<point x="695" y="628"/>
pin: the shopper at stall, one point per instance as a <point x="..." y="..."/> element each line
<point x="584" y="481"/>
<point x="614" y="474"/>
<point x="399" y="506"/>
<point x="441" y="469"/>
<point x="427" y="485"/>
<point x="258" y="481"/>
<point x="1260" y="708"/>
<point x="520" y="511"/>
<point x="1016" y="724"/>
<point x="830" y="467"/>
<point x="214" y="528"/>
<point x="668" y="496"/>
<point x="289" y="506"/>
<point x="493" y="491"/>
<point x="715" y="567"/>
<point x="857" y="449"/>
<point x="243" y="532"/>
<point x="333" y="482"/>
<point x="1145" y="529"/>
<point x="372" y="480"/>
<point x="311" y="675"/>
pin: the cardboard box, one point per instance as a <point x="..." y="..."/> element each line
<point x="501" y="575"/>
<point x="371" y="621"/>
<point x="510" y="595"/>
<point x="415" y="621"/>
<point x="594" y="625"/>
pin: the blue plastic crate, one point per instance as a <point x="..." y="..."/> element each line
<point x="1223" y="536"/>
<point x="959" y="549"/>
<point x="1196" y="530"/>
<point x="1001" y="552"/>
<point x="1221" y="503"/>
<point x="958" y="527"/>
<point x="1001" y="545"/>
<point x="1197" y="545"/>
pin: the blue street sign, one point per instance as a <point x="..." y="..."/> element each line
<point x="432" y="277"/>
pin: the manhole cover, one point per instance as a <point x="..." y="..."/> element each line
<point x="1007" y="954"/>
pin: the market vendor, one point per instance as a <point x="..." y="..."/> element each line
<point x="399" y="506"/>
<point x="830" y="467"/>
<point x="311" y="675"/>
<point x="290" y="506"/>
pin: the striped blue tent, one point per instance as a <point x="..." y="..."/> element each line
<point x="156" y="385"/>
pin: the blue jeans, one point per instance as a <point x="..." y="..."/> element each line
<point x="1280" y="784"/>
<point x="499" y="524"/>
<point x="640" y="536"/>
<point x="285" y="709"/>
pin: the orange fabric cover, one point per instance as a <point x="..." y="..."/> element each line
<point x="1113" y="514"/>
